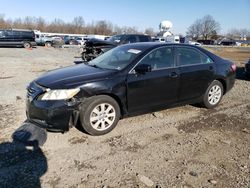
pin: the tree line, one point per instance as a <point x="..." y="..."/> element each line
<point x="208" y="28"/>
<point x="76" y="26"/>
<point x="204" y="28"/>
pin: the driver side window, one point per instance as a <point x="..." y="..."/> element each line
<point x="160" y="58"/>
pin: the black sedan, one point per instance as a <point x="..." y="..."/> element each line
<point x="128" y="80"/>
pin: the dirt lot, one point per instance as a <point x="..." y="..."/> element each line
<point x="180" y="147"/>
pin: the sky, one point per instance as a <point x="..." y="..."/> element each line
<point x="139" y="13"/>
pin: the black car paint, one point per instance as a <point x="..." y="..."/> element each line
<point x="247" y="69"/>
<point x="12" y="37"/>
<point x="135" y="93"/>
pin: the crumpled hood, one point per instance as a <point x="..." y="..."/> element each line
<point x="72" y="76"/>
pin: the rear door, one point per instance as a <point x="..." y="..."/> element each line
<point x="156" y="88"/>
<point x="17" y="37"/>
<point x="196" y="69"/>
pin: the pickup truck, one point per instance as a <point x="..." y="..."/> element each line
<point x="47" y="41"/>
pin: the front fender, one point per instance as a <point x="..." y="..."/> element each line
<point x="115" y="88"/>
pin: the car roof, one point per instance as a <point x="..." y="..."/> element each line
<point x="152" y="45"/>
<point x="158" y="44"/>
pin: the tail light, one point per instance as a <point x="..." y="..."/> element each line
<point x="233" y="67"/>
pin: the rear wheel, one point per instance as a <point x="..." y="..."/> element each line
<point x="99" y="115"/>
<point x="26" y="45"/>
<point x="213" y="94"/>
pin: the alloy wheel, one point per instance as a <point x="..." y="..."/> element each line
<point x="214" y="95"/>
<point x="102" y="116"/>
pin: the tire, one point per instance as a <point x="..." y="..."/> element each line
<point x="99" y="115"/>
<point x="213" y="95"/>
<point x="48" y="44"/>
<point x="26" y="45"/>
<point x="71" y="42"/>
<point x="84" y="57"/>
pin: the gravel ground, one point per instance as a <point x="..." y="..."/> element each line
<point x="186" y="146"/>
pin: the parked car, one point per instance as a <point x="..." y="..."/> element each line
<point x="48" y="41"/>
<point x="206" y="42"/>
<point x="17" y="38"/>
<point x="194" y="43"/>
<point x="159" y="39"/>
<point x="128" y="80"/>
<point x="81" y="40"/>
<point x="71" y="40"/>
<point x="247" y="69"/>
<point x="94" y="47"/>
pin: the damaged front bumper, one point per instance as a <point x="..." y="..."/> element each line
<point x="54" y="115"/>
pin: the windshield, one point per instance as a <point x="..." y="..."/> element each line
<point x="116" y="59"/>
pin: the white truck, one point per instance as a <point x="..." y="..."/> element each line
<point x="47" y="41"/>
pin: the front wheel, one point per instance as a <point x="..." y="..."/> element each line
<point x="48" y="44"/>
<point x="213" y="94"/>
<point x="85" y="57"/>
<point x="99" y="115"/>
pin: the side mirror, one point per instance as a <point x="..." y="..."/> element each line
<point x="143" y="68"/>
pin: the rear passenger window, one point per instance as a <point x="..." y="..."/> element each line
<point x="8" y="33"/>
<point x="144" y="38"/>
<point x="189" y="56"/>
<point x="26" y="34"/>
<point x="131" y="39"/>
<point x="16" y="33"/>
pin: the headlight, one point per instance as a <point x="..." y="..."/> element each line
<point x="59" y="94"/>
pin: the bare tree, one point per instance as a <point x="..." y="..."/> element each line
<point x="103" y="28"/>
<point x="239" y="34"/>
<point x="4" y="23"/>
<point x="204" y="28"/>
<point x="41" y="24"/>
<point x="194" y="31"/>
<point x="77" y="26"/>
<point x="130" y="30"/>
<point x="117" y="30"/>
<point x="29" y="22"/>
<point x="18" y="23"/>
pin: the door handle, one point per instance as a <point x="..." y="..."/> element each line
<point x="173" y="75"/>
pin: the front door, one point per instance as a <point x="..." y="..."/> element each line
<point x="158" y="87"/>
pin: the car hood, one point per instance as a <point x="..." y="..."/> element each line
<point x="73" y="76"/>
